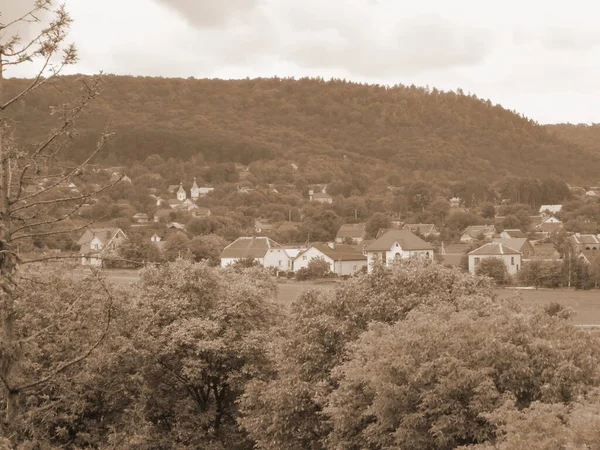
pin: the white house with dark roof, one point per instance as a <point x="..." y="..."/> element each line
<point x="319" y="197"/>
<point x="351" y="231"/>
<point x="344" y="260"/>
<point x="510" y="257"/>
<point x="264" y="250"/>
<point x="96" y="244"/>
<point x="393" y="245"/>
<point x="522" y="245"/>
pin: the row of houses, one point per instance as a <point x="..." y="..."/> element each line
<point x="343" y="259"/>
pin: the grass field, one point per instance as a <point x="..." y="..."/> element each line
<point x="585" y="304"/>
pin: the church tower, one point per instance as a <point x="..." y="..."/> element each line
<point x="195" y="191"/>
<point x="181" y="195"/>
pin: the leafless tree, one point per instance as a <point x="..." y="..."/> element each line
<point x="32" y="203"/>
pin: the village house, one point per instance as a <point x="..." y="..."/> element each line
<point x="549" y="225"/>
<point x="343" y="260"/>
<point x="140" y="218"/>
<point x="264" y="250"/>
<point x="522" y="245"/>
<point x="589" y="256"/>
<point x="201" y="211"/>
<point x="97" y="244"/>
<point x="195" y="190"/>
<point x="512" y="234"/>
<point x="583" y="242"/>
<point x="550" y="209"/>
<point x="263" y="226"/>
<point x="423" y="229"/>
<point x="319" y="197"/>
<point x="476" y="232"/>
<point x="204" y="191"/>
<point x="354" y="232"/>
<point x="394" y="245"/>
<point x="509" y="256"/>
<point x="455" y="202"/>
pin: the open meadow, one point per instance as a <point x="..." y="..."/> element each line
<point x="585" y="304"/>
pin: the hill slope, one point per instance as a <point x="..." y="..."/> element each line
<point x="408" y="129"/>
<point x="583" y="135"/>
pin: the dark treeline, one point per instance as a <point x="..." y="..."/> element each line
<point x="422" y="133"/>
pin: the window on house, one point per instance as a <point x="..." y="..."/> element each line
<point x="397" y="245"/>
<point x="383" y="256"/>
<point x="397" y="256"/>
<point x="427" y="254"/>
<point x="354" y="268"/>
<point x="477" y="261"/>
<point x="279" y="263"/>
<point x="512" y="260"/>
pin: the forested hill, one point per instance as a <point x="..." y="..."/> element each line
<point x="586" y="136"/>
<point x="412" y="130"/>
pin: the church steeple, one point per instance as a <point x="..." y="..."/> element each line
<point x="181" y="194"/>
<point x="195" y="191"/>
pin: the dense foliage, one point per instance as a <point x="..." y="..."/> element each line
<point x="421" y="132"/>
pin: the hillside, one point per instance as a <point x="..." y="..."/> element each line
<point x="410" y="131"/>
<point x="585" y="136"/>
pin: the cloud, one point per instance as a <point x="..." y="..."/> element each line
<point x="577" y="39"/>
<point x="13" y="9"/>
<point x="211" y="13"/>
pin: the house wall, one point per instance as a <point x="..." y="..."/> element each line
<point x="278" y="258"/>
<point x="395" y="253"/>
<point x="513" y="266"/>
<point x="302" y="260"/>
<point x="349" y="268"/>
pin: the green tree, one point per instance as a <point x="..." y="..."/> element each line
<point x="488" y="211"/>
<point x="176" y="246"/>
<point x="316" y="268"/>
<point x="495" y="269"/>
<point x="377" y="222"/>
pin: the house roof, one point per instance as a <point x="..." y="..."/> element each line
<point x="586" y="239"/>
<point x="103" y="234"/>
<point x="515" y="233"/>
<point x="494" y="248"/>
<point x="339" y="252"/>
<point x="589" y="255"/>
<point x="545" y="251"/>
<point x="406" y="238"/>
<point x="351" y="230"/>
<point x="255" y="247"/>
<point x="452" y="259"/>
<point x="515" y="243"/>
<point x="551" y="208"/>
<point x="550" y="227"/>
<point x="423" y="228"/>
<point x="475" y="230"/>
<point x="456" y="249"/>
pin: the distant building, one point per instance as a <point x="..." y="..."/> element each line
<point x="475" y="232"/>
<point x="522" y="245"/>
<point x="319" y="197"/>
<point x="583" y="242"/>
<point x="140" y="218"/>
<point x="424" y="229"/>
<point x="344" y="260"/>
<point x="97" y="244"/>
<point x="195" y="190"/>
<point x="351" y="231"/>
<point x="509" y="256"/>
<point x="512" y="233"/>
<point x="394" y="245"/>
<point x="264" y="250"/>
<point x="550" y="209"/>
<point x="455" y="202"/>
<point x="181" y="194"/>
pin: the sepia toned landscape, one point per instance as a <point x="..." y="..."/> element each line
<point x="258" y="225"/>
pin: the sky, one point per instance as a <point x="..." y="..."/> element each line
<point x="538" y="58"/>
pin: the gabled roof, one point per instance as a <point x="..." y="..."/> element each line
<point x="494" y="248"/>
<point x="586" y="239"/>
<point x="406" y="238"/>
<point x="551" y="208"/>
<point x="515" y="233"/>
<point x="475" y="230"/>
<point x="255" y="247"/>
<point x="103" y="234"/>
<point x="423" y="228"/>
<point x="351" y="230"/>
<point x="514" y="243"/>
<point x="339" y="252"/>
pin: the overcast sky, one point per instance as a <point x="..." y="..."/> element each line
<point x="540" y="58"/>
